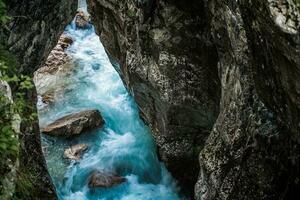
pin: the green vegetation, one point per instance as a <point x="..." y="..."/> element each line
<point x="10" y="112"/>
<point x="3" y="17"/>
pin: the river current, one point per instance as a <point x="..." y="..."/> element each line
<point x="123" y="146"/>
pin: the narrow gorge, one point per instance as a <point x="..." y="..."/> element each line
<point x="113" y="151"/>
<point x="150" y="99"/>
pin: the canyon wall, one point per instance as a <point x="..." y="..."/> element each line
<point x="253" y="149"/>
<point x="31" y="33"/>
<point x="226" y="70"/>
<point x="216" y="81"/>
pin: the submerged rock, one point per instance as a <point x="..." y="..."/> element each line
<point x="82" y="20"/>
<point x="74" y="124"/>
<point x="75" y="152"/>
<point x="105" y="180"/>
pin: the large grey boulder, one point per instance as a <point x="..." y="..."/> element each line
<point x="74" y="124"/>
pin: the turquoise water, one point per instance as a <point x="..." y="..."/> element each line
<point x="123" y="146"/>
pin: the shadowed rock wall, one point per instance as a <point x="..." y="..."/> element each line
<point x="227" y="69"/>
<point x="32" y="32"/>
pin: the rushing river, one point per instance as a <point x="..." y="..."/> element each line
<point x="123" y="146"/>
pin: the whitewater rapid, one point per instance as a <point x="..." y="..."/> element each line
<point x="123" y="146"/>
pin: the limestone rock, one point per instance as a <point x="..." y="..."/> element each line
<point x="75" y="152"/>
<point x="104" y="180"/>
<point x="74" y="124"/>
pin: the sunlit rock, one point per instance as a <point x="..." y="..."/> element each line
<point x="58" y="56"/>
<point x="82" y="20"/>
<point x="51" y="79"/>
<point x="105" y="180"/>
<point x="285" y="15"/>
<point x="75" y="152"/>
<point x="74" y="124"/>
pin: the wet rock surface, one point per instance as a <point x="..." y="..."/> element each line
<point x="100" y="179"/>
<point x="75" y="152"/>
<point x="74" y="124"/>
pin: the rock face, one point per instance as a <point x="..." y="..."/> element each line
<point x="252" y="150"/>
<point x="58" y="56"/>
<point x="169" y="65"/>
<point x="74" y="124"/>
<point x="33" y="31"/>
<point x="51" y="79"/>
<point x="75" y="152"/>
<point x="104" y="180"/>
<point x="227" y="69"/>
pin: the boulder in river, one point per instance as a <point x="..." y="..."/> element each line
<point x="100" y="179"/>
<point x="75" y="152"/>
<point x="82" y="20"/>
<point x="74" y="124"/>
